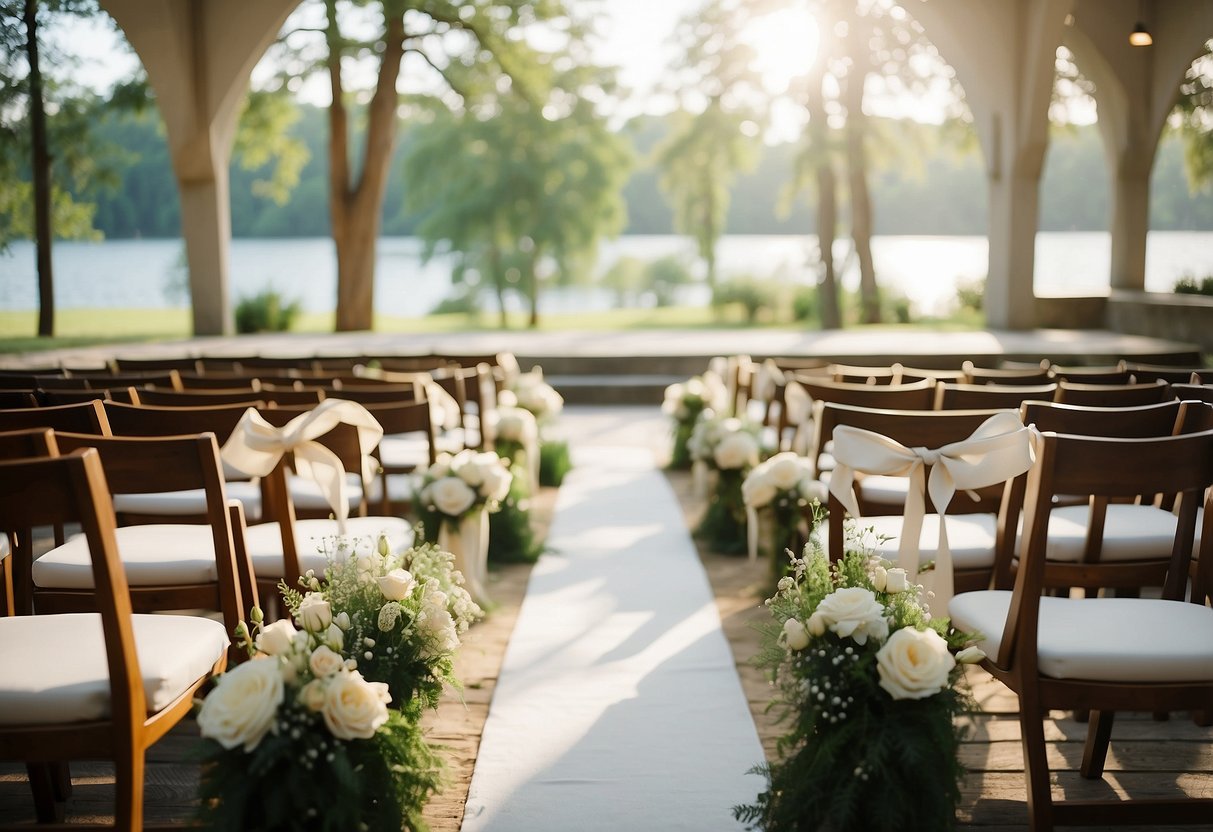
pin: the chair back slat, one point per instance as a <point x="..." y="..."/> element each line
<point x="957" y="396"/>
<point x="84" y="417"/>
<point x="142" y="420"/>
<point x="1113" y="395"/>
<point x="919" y="395"/>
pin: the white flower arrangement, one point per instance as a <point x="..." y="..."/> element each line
<point x="340" y="686"/>
<point x="530" y="392"/>
<point x="785" y="475"/>
<point x="470" y="480"/>
<point x="727" y="444"/>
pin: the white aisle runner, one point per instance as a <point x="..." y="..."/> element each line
<point x="618" y="707"/>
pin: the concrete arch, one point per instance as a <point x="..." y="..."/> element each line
<point x="198" y="55"/>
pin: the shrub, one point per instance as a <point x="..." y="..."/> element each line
<point x="554" y="463"/>
<point x="804" y="303"/>
<point x="1188" y="285"/>
<point x="971" y="294"/>
<point x="752" y="295"/>
<point x="265" y="312"/>
<point x="463" y="303"/>
<point x="664" y="275"/>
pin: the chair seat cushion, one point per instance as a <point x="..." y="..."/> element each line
<point x="153" y="555"/>
<point x="403" y="450"/>
<point x="306" y="495"/>
<point x="401" y="488"/>
<point x="55" y="668"/>
<point x="970" y="538"/>
<point x="314" y="539"/>
<point x="1103" y="639"/>
<point x="885" y="491"/>
<point x="1131" y="532"/>
<point x="179" y="503"/>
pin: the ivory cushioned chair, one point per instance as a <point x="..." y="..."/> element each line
<point x="1105" y="654"/>
<point x="97" y="685"/>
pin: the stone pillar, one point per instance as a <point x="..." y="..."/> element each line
<point x="198" y="55"/>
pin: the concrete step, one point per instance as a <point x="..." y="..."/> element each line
<point x="612" y="389"/>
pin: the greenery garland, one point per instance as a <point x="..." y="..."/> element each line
<point x="511" y="536"/>
<point x="555" y="462"/>
<point x="723" y="527"/>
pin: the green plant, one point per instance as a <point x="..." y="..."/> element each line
<point x="511" y="536"/>
<point x="463" y="303"/>
<point x="663" y="276"/>
<point x="971" y="294"/>
<point x="804" y="303"/>
<point x="1188" y="285"/>
<point x="753" y="295"/>
<point x="554" y="463"/>
<point x="266" y="312"/>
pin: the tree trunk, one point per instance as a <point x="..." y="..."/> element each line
<point x="498" y="283"/>
<point x="857" y="175"/>
<point x="827" y="211"/>
<point x="532" y="282"/>
<point x="707" y="242"/>
<point x="356" y="207"/>
<point x="41" y="172"/>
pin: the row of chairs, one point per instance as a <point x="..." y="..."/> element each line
<point x="1118" y="499"/>
<point x="1122" y="372"/>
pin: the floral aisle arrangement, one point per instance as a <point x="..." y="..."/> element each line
<point x="777" y="494"/>
<point x="320" y="729"/>
<point x="457" y="494"/>
<point x="683" y="403"/>
<point x="530" y="392"/>
<point x="867" y="680"/>
<point x="511" y="537"/>
<point x="727" y="448"/>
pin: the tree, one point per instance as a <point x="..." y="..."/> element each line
<point x="465" y="47"/>
<point x="1195" y="120"/>
<point x="519" y="183"/>
<point x="714" y="138"/>
<point x="34" y="200"/>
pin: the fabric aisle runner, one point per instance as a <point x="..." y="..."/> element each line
<point x="618" y="706"/>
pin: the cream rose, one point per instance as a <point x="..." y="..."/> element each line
<point x="353" y="707"/>
<point x="312" y="695"/>
<point x="468" y="467"/>
<point x="276" y="639"/>
<point x="795" y="635"/>
<point x="315" y="613"/>
<point x="854" y="612"/>
<point x="814" y="489"/>
<point x="914" y="664"/>
<point x="515" y="424"/>
<point x="241" y="708"/>
<point x="757" y="490"/>
<point x="736" y="450"/>
<point x="397" y="584"/>
<point x="970" y="655"/>
<point x="451" y="496"/>
<point x="497" y="481"/>
<point x="324" y="661"/>
<point x="334" y="638"/>
<point x="816" y="625"/>
<point x="897" y="582"/>
<point x="787" y="469"/>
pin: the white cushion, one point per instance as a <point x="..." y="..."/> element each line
<point x="1103" y="639"/>
<point x="403" y="449"/>
<point x="885" y="491"/>
<point x="314" y="537"/>
<point x="970" y="538"/>
<point x="178" y="503"/>
<point x="55" y="668"/>
<point x="305" y="494"/>
<point x="401" y="488"/>
<point x="1131" y="532"/>
<point x="152" y="555"/>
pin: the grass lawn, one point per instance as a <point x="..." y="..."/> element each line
<point x="82" y="327"/>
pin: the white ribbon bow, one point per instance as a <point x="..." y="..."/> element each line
<point x="1000" y="449"/>
<point x="256" y="446"/>
<point x="799" y="406"/>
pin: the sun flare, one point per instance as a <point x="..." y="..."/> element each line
<point x="785" y="43"/>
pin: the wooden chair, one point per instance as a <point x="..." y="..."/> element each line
<point x="376" y="393"/>
<point x="171" y="566"/>
<point x="972" y="525"/>
<point x="76" y="686"/>
<point x="205" y="398"/>
<point x="855" y="374"/>
<point x="1172" y="375"/>
<point x="20" y="444"/>
<point x="907" y="375"/>
<point x="471" y="389"/>
<point x="18" y="398"/>
<point x="409" y="443"/>
<point x="52" y="398"/>
<point x="1102" y="654"/>
<point x="1112" y="395"/>
<point x="1005" y="375"/>
<point x="84" y="417"/>
<point x="1093" y="375"/>
<point x="182" y="364"/>
<point x="1193" y="392"/>
<point x="952" y="396"/>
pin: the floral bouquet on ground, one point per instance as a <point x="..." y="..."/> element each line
<point x="457" y="495"/>
<point x="320" y="729"/>
<point x="867" y="680"/>
<point x="730" y="448"/>
<point x="683" y="404"/>
<point x="777" y="494"/>
<point x="530" y="392"/>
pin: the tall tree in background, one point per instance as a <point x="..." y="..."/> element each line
<point x="512" y="185"/>
<point x="473" y="42"/>
<point x="1195" y="120"/>
<point x="715" y="137"/>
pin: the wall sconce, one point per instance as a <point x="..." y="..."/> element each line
<point x="1140" y="36"/>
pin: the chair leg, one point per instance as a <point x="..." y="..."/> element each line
<point x="1036" y="763"/>
<point x="128" y="790"/>
<point x="1095" y="752"/>
<point x="43" y="778"/>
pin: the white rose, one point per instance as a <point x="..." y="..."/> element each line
<point x="275" y="639"/>
<point x="970" y="655"/>
<point x="497" y="480"/>
<point x="312" y="695"/>
<point x="814" y="489"/>
<point x="880" y="578"/>
<point x="736" y="450"/>
<point x="324" y="662"/>
<point x="854" y="612"/>
<point x="794" y="633"/>
<point x="241" y="708"/>
<point x="898" y="581"/>
<point x="451" y="496"/>
<point x="467" y="466"/>
<point x="440" y="469"/>
<point x="440" y="625"/>
<point x="787" y="470"/>
<point x="914" y="664"/>
<point x="353" y="707"/>
<point x="515" y="424"/>
<point x="315" y="613"/>
<point x="673" y="399"/>
<point x="397" y="584"/>
<point x="817" y="625"/>
<point x="757" y="490"/>
<point x="342" y="620"/>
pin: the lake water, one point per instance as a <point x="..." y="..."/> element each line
<point x="149" y="273"/>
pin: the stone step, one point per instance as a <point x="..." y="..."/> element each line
<point x="612" y="389"/>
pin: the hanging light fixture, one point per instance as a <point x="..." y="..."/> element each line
<point x="1140" y="36"/>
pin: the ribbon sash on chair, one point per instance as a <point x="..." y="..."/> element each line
<point x="256" y="446"/>
<point x="1000" y="449"/>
